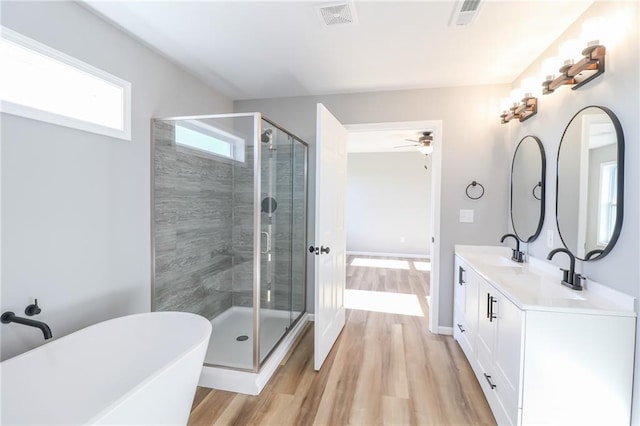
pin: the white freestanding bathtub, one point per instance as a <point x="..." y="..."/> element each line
<point x="137" y="369"/>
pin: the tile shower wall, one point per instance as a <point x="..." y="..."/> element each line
<point x="193" y="196"/>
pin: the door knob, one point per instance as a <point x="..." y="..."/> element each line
<point x="324" y="250"/>
<point x="315" y="250"/>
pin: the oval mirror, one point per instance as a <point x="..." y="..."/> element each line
<point x="528" y="188"/>
<point x="590" y="183"/>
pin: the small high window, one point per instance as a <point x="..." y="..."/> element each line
<point x="41" y="83"/>
<point x="208" y="139"/>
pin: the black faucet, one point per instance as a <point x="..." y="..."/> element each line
<point x="9" y="317"/>
<point x="569" y="277"/>
<point x="517" y="255"/>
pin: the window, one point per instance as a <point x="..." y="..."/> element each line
<point x="44" y="84"/>
<point x="608" y="201"/>
<point x="209" y="140"/>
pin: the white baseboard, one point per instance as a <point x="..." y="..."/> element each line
<point x="448" y="331"/>
<point x="378" y="254"/>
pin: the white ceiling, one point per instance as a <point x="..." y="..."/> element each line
<point x="262" y="49"/>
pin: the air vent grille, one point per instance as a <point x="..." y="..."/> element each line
<point x="465" y="12"/>
<point x="470" y="6"/>
<point x="337" y="14"/>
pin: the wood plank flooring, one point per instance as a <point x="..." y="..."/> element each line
<point x="385" y="368"/>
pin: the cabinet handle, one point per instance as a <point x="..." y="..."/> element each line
<point x="462" y="330"/>
<point x="492" y="316"/>
<point x="460" y="272"/>
<point x="488" y="305"/>
<point x="486" y="376"/>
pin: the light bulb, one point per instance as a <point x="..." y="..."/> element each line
<point x="426" y="149"/>
<point x="551" y="67"/>
<point x="505" y="104"/>
<point x="593" y="30"/>
<point x="516" y="96"/>
<point x="570" y="50"/>
<point x="530" y="87"/>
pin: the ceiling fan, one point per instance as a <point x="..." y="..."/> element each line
<point x="424" y="143"/>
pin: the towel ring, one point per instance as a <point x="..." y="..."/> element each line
<point x="474" y="184"/>
<point x="538" y="185"/>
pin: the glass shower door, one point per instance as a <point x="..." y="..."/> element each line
<point x="275" y="217"/>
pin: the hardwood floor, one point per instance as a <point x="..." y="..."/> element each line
<point x="385" y="368"/>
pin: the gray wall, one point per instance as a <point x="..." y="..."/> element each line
<point x="76" y="205"/>
<point x="389" y="199"/>
<point x="619" y="90"/>
<point x="474" y="148"/>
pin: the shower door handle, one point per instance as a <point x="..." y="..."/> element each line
<point x="268" y="235"/>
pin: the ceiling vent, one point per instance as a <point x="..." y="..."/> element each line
<point x="465" y="11"/>
<point x="337" y="13"/>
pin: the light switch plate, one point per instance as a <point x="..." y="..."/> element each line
<point x="549" y="238"/>
<point x="466" y="215"/>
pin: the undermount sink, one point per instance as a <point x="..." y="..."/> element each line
<point x="496" y="260"/>
<point x="549" y="292"/>
<point x="541" y="288"/>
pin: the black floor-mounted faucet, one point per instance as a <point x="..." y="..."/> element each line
<point x="9" y="317"/>
<point x="517" y="255"/>
<point x="569" y="277"/>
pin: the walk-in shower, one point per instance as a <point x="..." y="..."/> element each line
<point x="229" y="196"/>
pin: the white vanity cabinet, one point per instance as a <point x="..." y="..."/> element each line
<point x="543" y="355"/>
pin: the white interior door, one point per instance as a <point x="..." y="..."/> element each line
<point x="331" y="237"/>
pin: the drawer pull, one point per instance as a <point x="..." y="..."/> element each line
<point x="462" y="330"/>
<point x="486" y="376"/>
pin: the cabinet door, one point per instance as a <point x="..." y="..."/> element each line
<point x="486" y="324"/>
<point x="471" y="305"/>
<point x="507" y="354"/>
<point x="460" y="328"/>
<point x="459" y="288"/>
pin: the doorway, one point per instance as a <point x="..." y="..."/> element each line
<point x="385" y="138"/>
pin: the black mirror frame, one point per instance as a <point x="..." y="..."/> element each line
<point x="593" y="255"/>
<point x="543" y="160"/>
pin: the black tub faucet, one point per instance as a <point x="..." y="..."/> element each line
<point x="569" y="277"/>
<point x="9" y="317"/>
<point x="517" y="255"/>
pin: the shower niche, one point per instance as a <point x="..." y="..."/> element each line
<point x="229" y="200"/>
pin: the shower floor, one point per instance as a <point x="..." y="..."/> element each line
<point x="224" y="348"/>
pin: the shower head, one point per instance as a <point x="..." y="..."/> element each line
<point x="266" y="136"/>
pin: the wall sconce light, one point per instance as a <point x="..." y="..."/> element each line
<point x="521" y="104"/>
<point x="590" y="63"/>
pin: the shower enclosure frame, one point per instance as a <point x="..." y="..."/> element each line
<point x="257" y="184"/>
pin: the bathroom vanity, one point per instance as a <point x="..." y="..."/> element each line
<point x="542" y="353"/>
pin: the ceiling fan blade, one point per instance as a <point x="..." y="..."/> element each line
<point x="405" y="146"/>
<point x="412" y="140"/>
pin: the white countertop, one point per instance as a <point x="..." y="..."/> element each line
<point x="535" y="286"/>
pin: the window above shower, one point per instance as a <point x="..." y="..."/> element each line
<point x="209" y="140"/>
